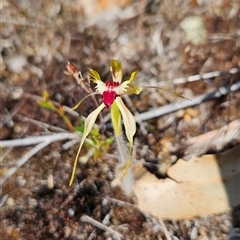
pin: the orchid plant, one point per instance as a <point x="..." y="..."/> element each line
<point x="111" y="92"/>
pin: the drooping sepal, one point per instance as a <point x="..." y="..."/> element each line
<point x="128" y="120"/>
<point x="130" y="129"/>
<point x="88" y="125"/>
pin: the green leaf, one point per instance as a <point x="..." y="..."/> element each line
<point x="46" y="104"/>
<point x="109" y="141"/>
<point x="79" y="129"/>
<point x="45" y="94"/>
<point x="95" y="132"/>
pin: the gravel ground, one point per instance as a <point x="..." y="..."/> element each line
<point x="156" y="37"/>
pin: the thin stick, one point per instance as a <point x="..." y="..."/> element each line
<point x="164" y="229"/>
<point x="205" y="76"/>
<point x="173" y="107"/>
<point x="42" y="124"/>
<point x="8" y="117"/>
<point x="3" y="199"/>
<point x="146" y="215"/>
<point x="97" y="224"/>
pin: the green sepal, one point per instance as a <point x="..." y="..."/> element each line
<point x="133" y="76"/>
<point x="94" y="74"/>
<point x="116" y="119"/>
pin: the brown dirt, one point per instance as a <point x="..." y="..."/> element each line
<point x="37" y="41"/>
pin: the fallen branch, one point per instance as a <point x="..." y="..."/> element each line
<point x="88" y="219"/>
<point x="38" y="139"/>
<point x="22" y="161"/>
<point x="45" y="126"/>
<point x="205" y="76"/>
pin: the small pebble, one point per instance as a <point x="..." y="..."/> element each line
<point x="67" y="231"/>
<point x="16" y="63"/>
<point x="32" y="203"/>
<point x="10" y="202"/>
<point x="194" y="233"/>
<point x="21" y="181"/>
<point x="16" y="93"/>
<point x="71" y="212"/>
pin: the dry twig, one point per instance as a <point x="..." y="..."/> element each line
<point x="146" y="215"/>
<point x="88" y="219"/>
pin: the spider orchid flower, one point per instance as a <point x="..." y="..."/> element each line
<point x="111" y="92"/>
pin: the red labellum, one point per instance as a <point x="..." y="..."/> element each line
<point x="109" y="97"/>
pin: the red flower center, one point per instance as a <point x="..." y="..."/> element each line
<point x="111" y="84"/>
<point x="109" y="97"/>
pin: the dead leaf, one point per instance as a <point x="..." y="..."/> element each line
<point x="203" y="185"/>
<point x="213" y="140"/>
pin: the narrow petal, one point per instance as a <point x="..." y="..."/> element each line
<point x="133" y="75"/>
<point x="134" y="90"/>
<point x="78" y="104"/>
<point x="137" y="90"/>
<point x="116" y="69"/>
<point x="88" y="125"/>
<point x="130" y="129"/>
